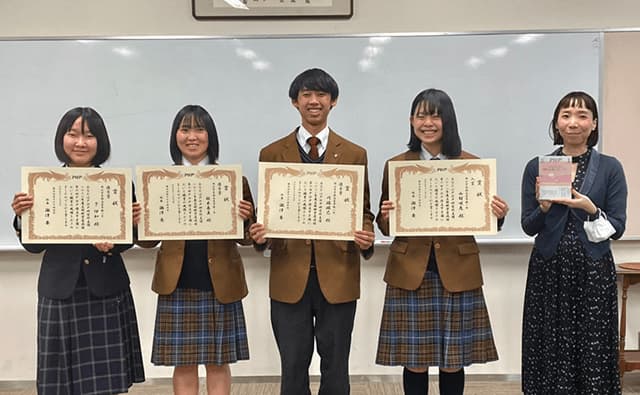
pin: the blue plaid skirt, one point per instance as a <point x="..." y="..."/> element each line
<point x="193" y="328"/>
<point x="431" y="326"/>
<point x="88" y="344"/>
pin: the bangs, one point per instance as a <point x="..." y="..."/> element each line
<point x="87" y="123"/>
<point x="192" y="121"/>
<point x="91" y="124"/>
<point x="316" y="85"/>
<point x="427" y="107"/>
<point x="576" y="102"/>
<point x="311" y="86"/>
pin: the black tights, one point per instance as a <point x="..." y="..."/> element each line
<point x="418" y="383"/>
<point x="451" y="383"/>
<point x="415" y="383"/>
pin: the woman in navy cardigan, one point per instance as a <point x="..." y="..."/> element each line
<point x="88" y="341"/>
<point x="570" y="336"/>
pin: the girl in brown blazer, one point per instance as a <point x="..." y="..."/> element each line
<point x="200" y="283"/>
<point x="434" y="311"/>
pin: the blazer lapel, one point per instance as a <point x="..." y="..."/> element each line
<point x="290" y="151"/>
<point x="592" y="170"/>
<point x="334" y="152"/>
<point x="412" y="155"/>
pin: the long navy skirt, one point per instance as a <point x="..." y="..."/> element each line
<point x="88" y="344"/>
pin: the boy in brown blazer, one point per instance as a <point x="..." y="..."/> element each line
<point x="314" y="284"/>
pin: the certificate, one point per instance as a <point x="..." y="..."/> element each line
<point x="83" y="205"/>
<point x="442" y="197"/>
<point x="190" y="202"/>
<point x="310" y="201"/>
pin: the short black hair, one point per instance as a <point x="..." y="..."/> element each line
<point x="194" y="115"/>
<point x="315" y="80"/>
<point x="93" y="120"/>
<point x="435" y="101"/>
<point x="575" y="99"/>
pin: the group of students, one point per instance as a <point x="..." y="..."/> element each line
<point x="434" y="310"/>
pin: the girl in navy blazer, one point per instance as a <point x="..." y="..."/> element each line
<point x="570" y="335"/>
<point x="88" y="341"/>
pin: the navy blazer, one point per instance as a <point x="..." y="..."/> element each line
<point x="104" y="273"/>
<point x="604" y="184"/>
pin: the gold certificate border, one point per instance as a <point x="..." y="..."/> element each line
<point x="62" y="175"/>
<point x="354" y="173"/>
<point x="166" y="173"/>
<point x="286" y="170"/>
<point x="484" y="166"/>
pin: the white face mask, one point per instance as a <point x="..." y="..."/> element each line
<point x="599" y="229"/>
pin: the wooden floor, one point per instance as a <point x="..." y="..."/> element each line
<point x="360" y="385"/>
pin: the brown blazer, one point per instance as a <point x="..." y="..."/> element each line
<point x="337" y="261"/>
<point x="225" y="264"/>
<point x="457" y="257"/>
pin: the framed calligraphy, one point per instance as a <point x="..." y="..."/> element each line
<point x="213" y="9"/>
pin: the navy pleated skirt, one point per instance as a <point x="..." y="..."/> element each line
<point x="88" y="344"/>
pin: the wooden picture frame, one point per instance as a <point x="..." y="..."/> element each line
<point x="217" y="9"/>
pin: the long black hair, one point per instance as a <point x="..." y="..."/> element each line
<point x="432" y="102"/>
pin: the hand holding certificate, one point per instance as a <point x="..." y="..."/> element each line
<point x="445" y="197"/>
<point x="318" y="201"/>
<point x="77" y="205"/>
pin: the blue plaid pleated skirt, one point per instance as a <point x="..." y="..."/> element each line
<point x="88" y="344"/>
<point x="193" y="328"/>
<point x="431" y="326"/>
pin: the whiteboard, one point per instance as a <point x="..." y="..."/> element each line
<point x="504" y="88"/>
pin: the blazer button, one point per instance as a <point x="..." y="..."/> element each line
<point x="436" y="245"/>
<point x="307" y="242"/>
<point x="86" y="261"/>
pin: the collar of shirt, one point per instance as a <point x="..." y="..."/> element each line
<point x="303" y="135"/>
<point x="203" y="162"/>
<point x="426" y="155"/>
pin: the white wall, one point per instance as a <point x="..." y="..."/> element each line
<point x="29" y="18"/>
<point x="504" y="265"/>
<point x="504" y="268"/>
